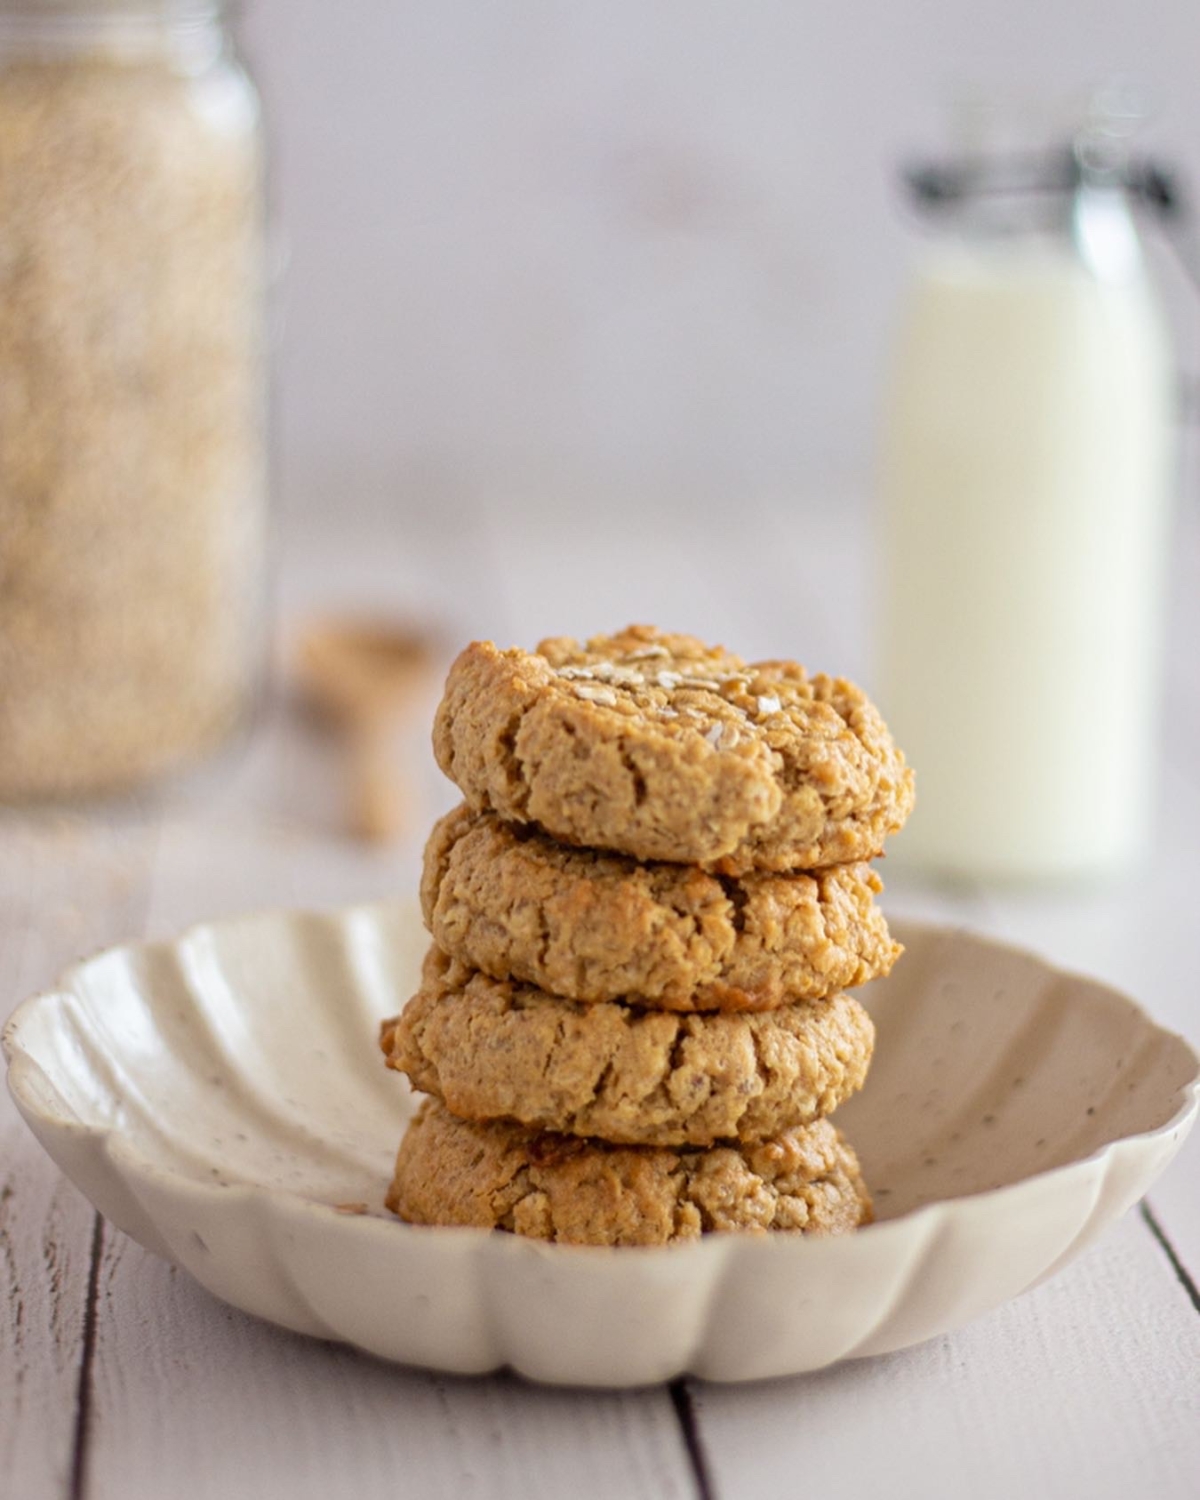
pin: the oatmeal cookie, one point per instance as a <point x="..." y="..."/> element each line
<point x="493" y="1049"/>
<point x="660" y="747"/>
<point x="553" y="1187"/>
<point x="595" y="927"/>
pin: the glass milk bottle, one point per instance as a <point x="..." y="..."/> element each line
<point x="1027" y="469"/>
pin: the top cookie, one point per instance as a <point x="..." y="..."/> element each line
<point x="660" y="747"/>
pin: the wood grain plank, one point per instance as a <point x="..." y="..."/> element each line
<point x="194" y="1400"/>
<point x="67" y="887"/>
<point x="45" y="1251"/>
<point x="1086" y="1386"/>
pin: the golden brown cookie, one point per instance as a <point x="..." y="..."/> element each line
<point x="554" y="1187"/>
<point x="493" y="1049"/>
<point x="595" y="927"/>
<point x="660" y="747"/>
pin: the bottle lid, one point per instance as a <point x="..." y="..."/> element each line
<point x="1021" y="147"/>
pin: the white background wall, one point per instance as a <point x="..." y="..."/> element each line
<point x="652" y="247"/>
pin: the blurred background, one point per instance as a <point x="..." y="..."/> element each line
<point x="580" y="316"/>
<point x="657" y="248"/>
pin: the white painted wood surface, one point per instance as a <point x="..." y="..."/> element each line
<point x="119" y="1378"/>
<point x="1034" y="1399"/>
<point x="193" y="1401"/>
<point x="65" y="890"/>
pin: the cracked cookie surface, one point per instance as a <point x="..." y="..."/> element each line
<point x="659" y="747"/>
<point x="552" y="1187"/>
<point x="590" y="926"/>
<point x="500" y="1050"/>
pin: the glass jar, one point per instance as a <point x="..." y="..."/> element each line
<point x="1027" y="472"/>
<point x="132" y="391"/>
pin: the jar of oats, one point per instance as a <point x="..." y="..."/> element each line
<point x="132" y="471"/>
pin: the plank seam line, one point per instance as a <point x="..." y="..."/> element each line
<point x="1168" y="1250"/>
<point x="685" y="1412"/>
<point x="87" y="1357"/>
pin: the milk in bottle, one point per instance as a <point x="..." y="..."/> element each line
<point x="1026" y="475"/>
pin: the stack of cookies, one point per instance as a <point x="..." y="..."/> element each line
<point x="633" y="1023"/>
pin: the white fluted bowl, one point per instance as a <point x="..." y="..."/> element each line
<point x="221" y="1099"/>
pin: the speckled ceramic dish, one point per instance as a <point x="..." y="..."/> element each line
<point x="221" y="1099"/>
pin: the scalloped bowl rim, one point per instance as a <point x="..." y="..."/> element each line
<point x="21" y="1061"/>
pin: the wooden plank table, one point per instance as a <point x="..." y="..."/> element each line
<point x="121" y="1380"/>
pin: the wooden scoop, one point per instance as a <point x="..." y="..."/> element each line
<point x="363" y="676"/>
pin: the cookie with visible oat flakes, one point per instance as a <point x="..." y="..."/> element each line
<point x="595" y="927"/>
<point x="551" y="1187"/>
<point x="662" y="748"/>
<point x="496" y="1050"/>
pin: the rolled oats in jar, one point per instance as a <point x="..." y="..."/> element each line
<point x="132" y="465"/>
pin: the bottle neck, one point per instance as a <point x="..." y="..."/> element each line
<point x="1063" y="201"/>
<point x="187" y="33"/>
